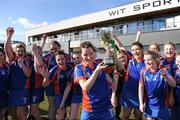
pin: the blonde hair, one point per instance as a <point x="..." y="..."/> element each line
<point x="21" y="45"/>
<point x="155" y="44"/>
<point x="154" y="56"/>
<point x="170" y="43"/>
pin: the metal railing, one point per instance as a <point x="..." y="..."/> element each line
<point x="118" y="32"/>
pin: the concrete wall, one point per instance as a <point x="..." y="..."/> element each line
<point x="146" y="39"/>
<point x="159" y="37"/>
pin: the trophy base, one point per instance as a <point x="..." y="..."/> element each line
<point x="109" y="64"/>
<point x="108" y="61"/>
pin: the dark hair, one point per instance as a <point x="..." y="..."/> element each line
<point x="153" y="54"/>
<point x="61" y="52"/>
<point x="2" y="50"/>
<point x="55" y="42"/>
<point x="87" y="44"/>
<point x="39" y="47"/>
<point x="122" y="51"/>
<point x="138" y="44"/>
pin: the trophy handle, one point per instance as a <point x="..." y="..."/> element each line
<point x="115" y="54"/>
<point x="116" y="59"/>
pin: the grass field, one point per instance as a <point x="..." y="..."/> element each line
<point x="44" y="110"/>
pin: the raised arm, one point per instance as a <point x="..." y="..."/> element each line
<point x="138" y="35"/>
<point x="8" y="47"/>
<point x="43" y="38"/>
<point x="118" y="43"/>
<point x="37" y="57"/>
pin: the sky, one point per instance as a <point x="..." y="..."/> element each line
<point x="27" y="14"/>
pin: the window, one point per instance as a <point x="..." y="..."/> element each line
<point x="116" y="29"/>
<point x="132" y="27"/>
<point x="120" y="29"/>
<point x="125" y="28"/>
<point x="148" y="26"/>
<point x="140" y="25"/>
<point x="155" y="25"/>
<point x="83" y="34"/>
<point x="90" y="33"/>
<point x="177" y="21"/>
<point x="158" y="24"/>
<point x="169" y="23"/>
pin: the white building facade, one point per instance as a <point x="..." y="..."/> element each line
<point x="159" y="21"/>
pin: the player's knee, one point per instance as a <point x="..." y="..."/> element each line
<point x="126" y="113"/>
<point x="137" y="114"/>
<point x="73" y="117"/>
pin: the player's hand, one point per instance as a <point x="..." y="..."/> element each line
<point x="163" y="73"/>
<point x="113" y="100"/>
<point x="21" y="61"/>
<point x="34" y="47"/>
<point x="45" y="83"/>
<point x="44" y="72"/>
<point x="44" y="37"/>
<point x="141" y="107"/>
<point x="101" y="66"/>
<point x="9" y="31"/>
<point x="171" y="100"/>
<point x="109" y="53"/>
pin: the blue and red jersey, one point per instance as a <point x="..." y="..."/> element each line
<point x="98" y="97"/>
<point x="129" y="97"/>
<point x="36" y="79"/>
<point x="4" y="81"/>
<point x="169" y="65"/>
<point x="129" y="55"/>
<point x="76" y="88"/>
<point x="18" y="78"/>
<point x="156" y="87"/>
<point x="60" y="78"/>
<point x="49" y="61"/>
<point x="177" y="89"/>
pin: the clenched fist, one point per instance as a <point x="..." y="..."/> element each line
<point x="9" y="31"/>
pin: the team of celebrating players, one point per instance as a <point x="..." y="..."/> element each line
<point x="145" y="82"/>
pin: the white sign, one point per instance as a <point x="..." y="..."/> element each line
<point x="142" y="7"/>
